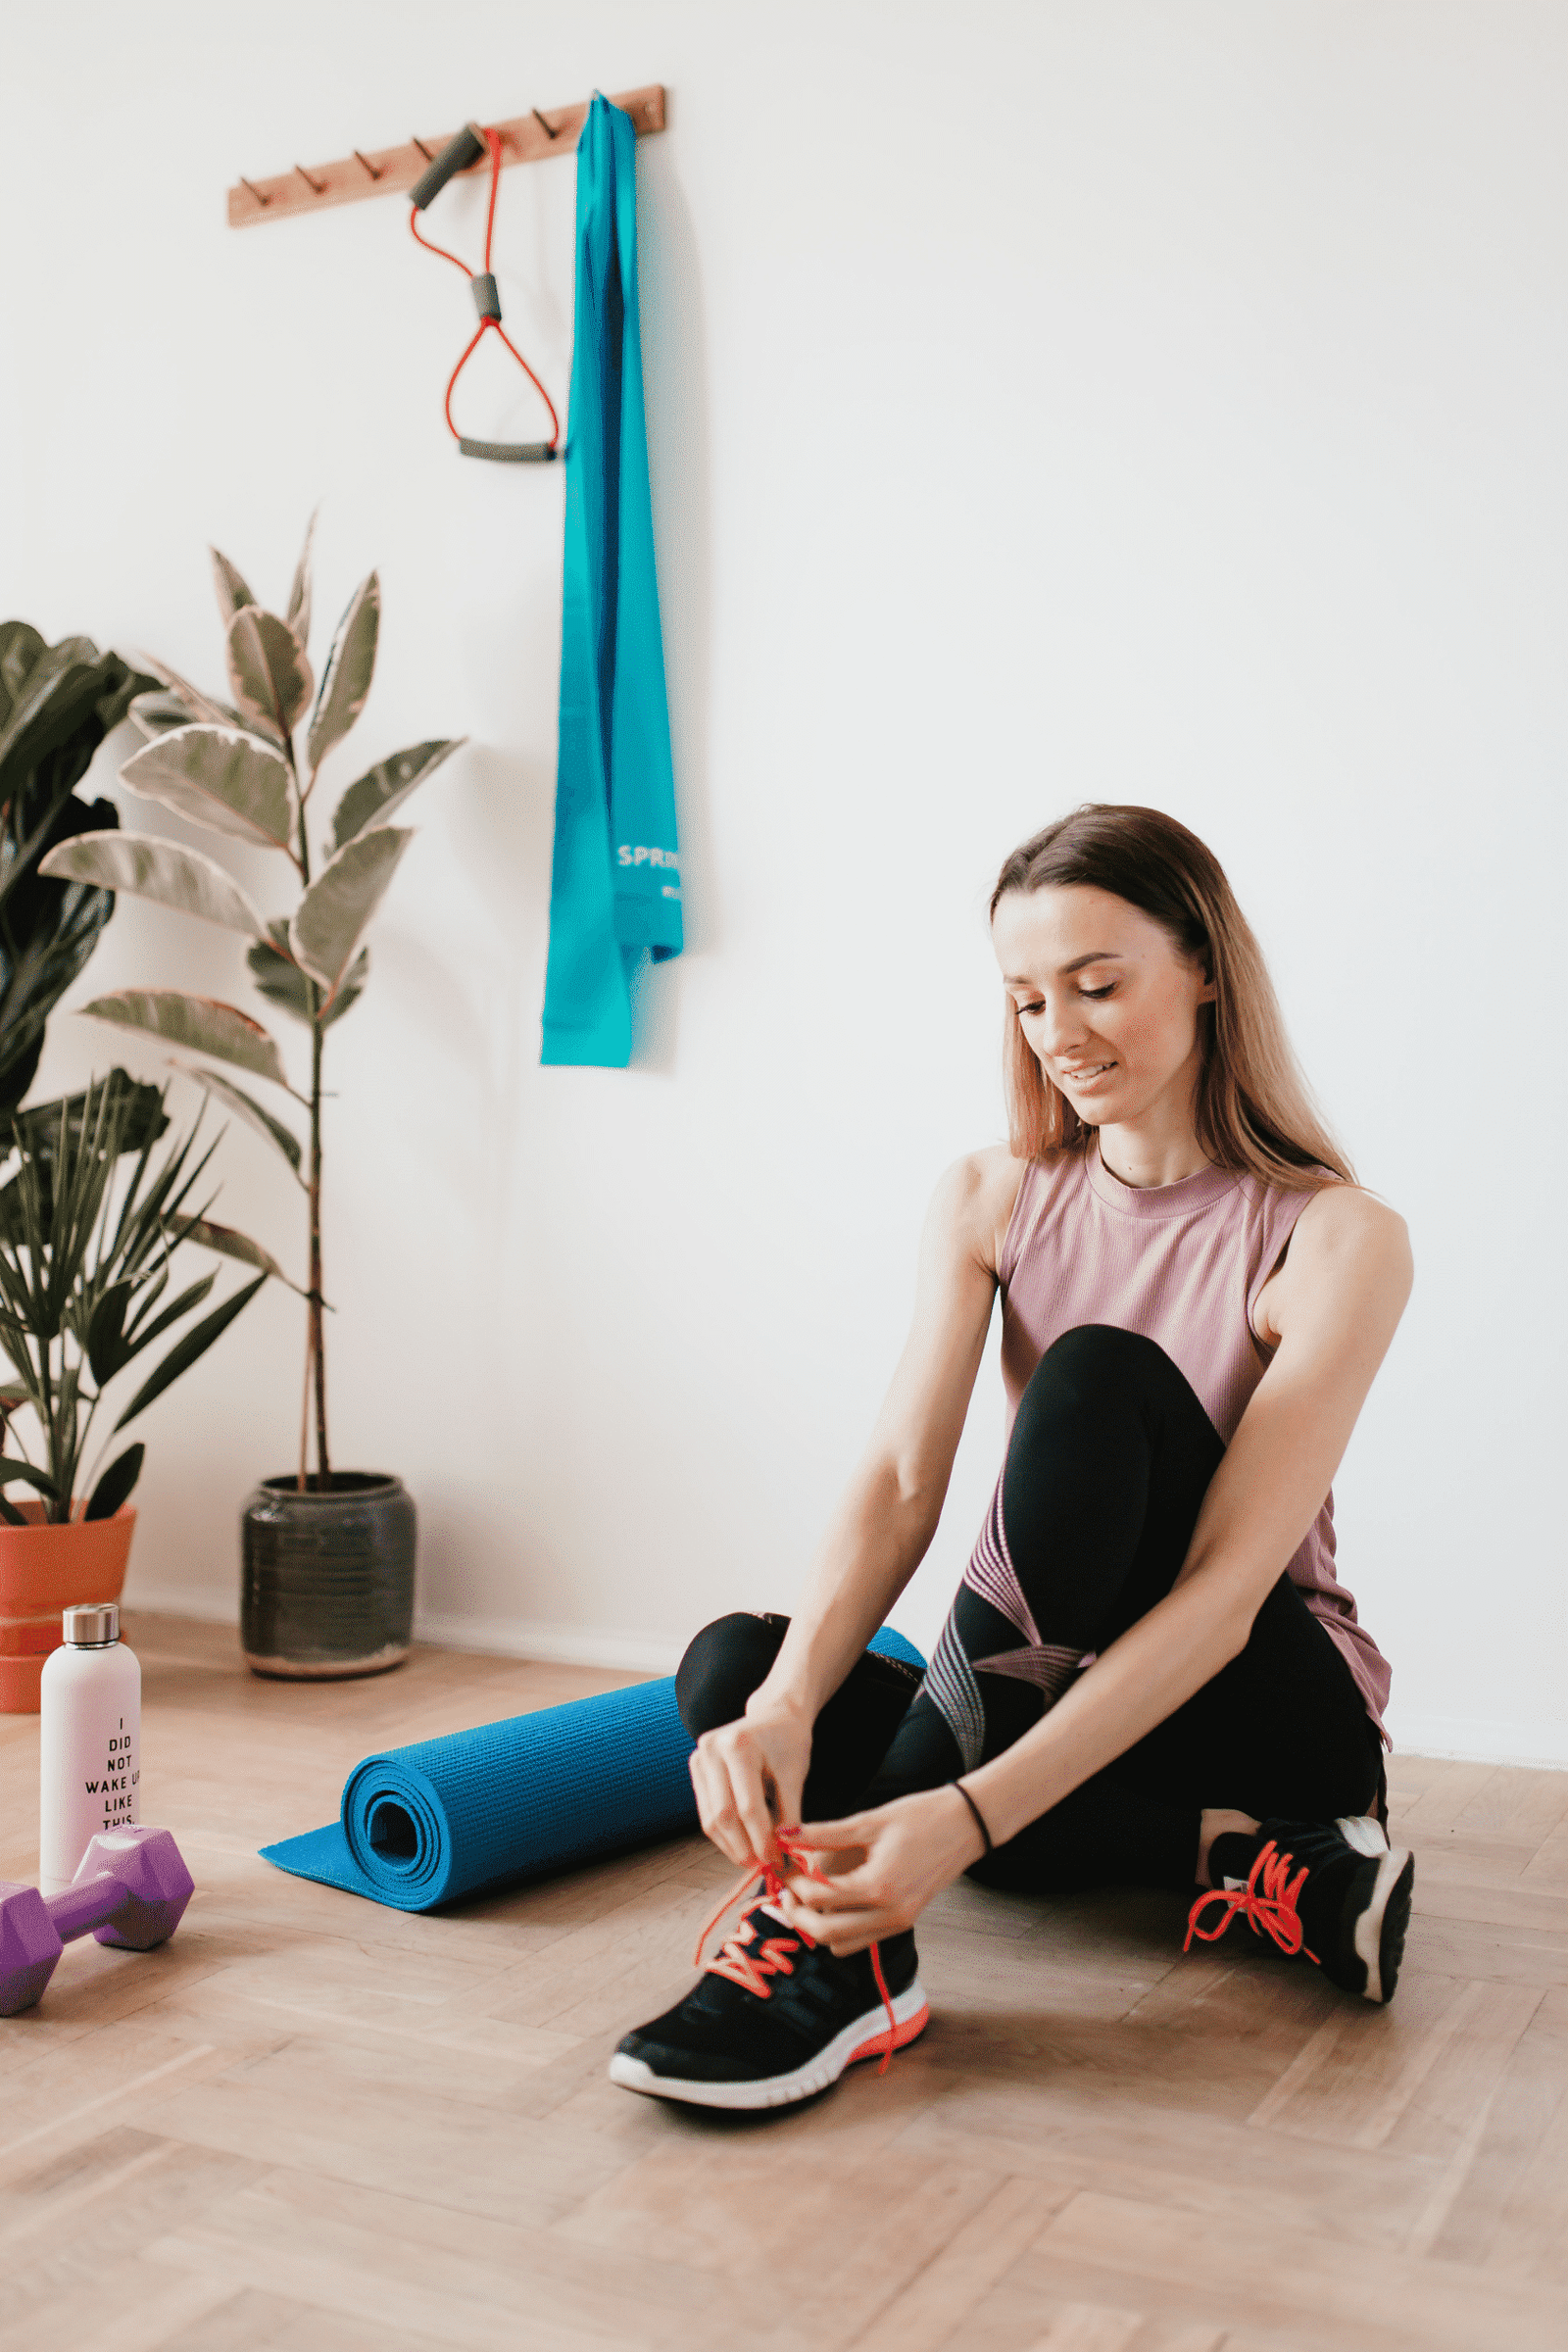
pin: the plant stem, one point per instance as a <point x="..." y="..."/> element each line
<point x="315" y="1339"/>
<point x="318" y="1335"/>
<point x="305" y="1408"/>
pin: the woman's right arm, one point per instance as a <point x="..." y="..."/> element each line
<point x="749" y="1775"/>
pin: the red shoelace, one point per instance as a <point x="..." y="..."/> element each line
<point x="1268" y="1903"/>
<point x="749" y="1960"/>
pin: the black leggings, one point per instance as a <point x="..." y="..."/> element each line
<point x="1111" y="1456"/>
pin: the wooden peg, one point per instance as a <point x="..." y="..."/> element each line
<point x="392" y="170"/>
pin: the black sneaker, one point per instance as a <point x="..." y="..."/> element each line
<point x="775" y="2018"/>
<point x="1335" y="1892"/>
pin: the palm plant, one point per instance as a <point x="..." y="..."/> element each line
<point x="242" y="770"/>
<point x="56" y="705"/>
<point x="85" y="1253"/>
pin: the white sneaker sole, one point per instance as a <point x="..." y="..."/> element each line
<point x="1392" y="1868"/>
<point x="1364" y="1832"/>
<point x="865" y="2037"/>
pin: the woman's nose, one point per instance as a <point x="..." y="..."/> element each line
<point x="1059" y="1027"/>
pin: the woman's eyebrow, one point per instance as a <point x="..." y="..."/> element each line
<point x="1097" y="956"/>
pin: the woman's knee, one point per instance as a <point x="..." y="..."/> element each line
<point x="1099" y="1366"/>
<point x="723" y="1665"/>
<point x="1099" y="1391"/>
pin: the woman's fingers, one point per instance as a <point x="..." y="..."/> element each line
<point x="736" y="1793"/>
<point x="846" y="1891"/>
<point x="716" y="1808"/>
<point x="827" y="1837"/>
<point x="842" y="1932"/>
<point x="754" y="1786"/>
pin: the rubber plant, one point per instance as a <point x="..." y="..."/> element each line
<point x="56" y="705"/>
<point x="85" y="1253"/>
<point x="248" y="771"/>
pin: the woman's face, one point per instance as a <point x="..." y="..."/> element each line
<point x="1108" y="1004"/>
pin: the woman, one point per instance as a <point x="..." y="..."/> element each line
<point x="1149" y="1675"/>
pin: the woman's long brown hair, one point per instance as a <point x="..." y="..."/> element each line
<point x="1254" y="1111"/>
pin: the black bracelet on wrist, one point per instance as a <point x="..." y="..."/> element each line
<point x="979" y="1817"/>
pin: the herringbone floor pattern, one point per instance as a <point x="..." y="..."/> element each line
<point x="311" y="2123"/>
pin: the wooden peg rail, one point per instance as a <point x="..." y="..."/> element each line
<point x="390" y="170"/>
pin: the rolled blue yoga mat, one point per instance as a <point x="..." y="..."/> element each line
<point x="514" y="1800"/>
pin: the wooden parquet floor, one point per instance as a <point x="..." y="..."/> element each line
<point x="311" y="2123"/>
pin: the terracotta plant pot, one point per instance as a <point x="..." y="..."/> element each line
<point x="327" y="1588"/>
<point x="46" y="1569"/>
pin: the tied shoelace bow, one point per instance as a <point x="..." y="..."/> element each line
<point x="749" y="1960"/>
<point x="1268" y="1903"/>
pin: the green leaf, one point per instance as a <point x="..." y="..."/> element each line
<point x="222" y="778"/>
<point x="349" y="989"/>
<point x="299" y="596"/>
<point x="263" y="1121"/>
<point x="383" y="788"/>
<point x="106" y="1331"/>
<point x="139" y="1117"/>
<point x="158" y="713"/>
<point x="199" y="706"/>
<point x="20" y="650"/>
<point x="185" y="1352"/>
<point x="48" y="930"/>
<point x="350" y="667"/>
<point x="11" y="1472"/>
<point x="229" y="1244"/>
<point x="115" y="1486"/>
<point x="232" y="593"/>
<point x="278" y="976"/>
<point x="198" y="1024"/>
<point x="50" y="700"/>
<point x="161" y="870"/>
<point x="330" y="920"/>
<point x="267" y="672"/>
<point x="143" y="1332"/>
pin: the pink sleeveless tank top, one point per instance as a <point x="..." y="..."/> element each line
<point x="1183" y="1263"/>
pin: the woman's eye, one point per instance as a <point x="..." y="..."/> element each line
<point x="1023" y="1008"/>
<point x="1100" y="992"/>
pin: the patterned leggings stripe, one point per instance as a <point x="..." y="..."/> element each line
<point x="953" y="1691"/>
<point x="951" y="1678"/>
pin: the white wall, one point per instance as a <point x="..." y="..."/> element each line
<point x="1046" y="402"/>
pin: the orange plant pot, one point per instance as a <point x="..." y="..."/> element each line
<point x="44" y="1570"/>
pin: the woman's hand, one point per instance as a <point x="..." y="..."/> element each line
<point x="884" y="1867"/>
<point x="748" y="1777"/>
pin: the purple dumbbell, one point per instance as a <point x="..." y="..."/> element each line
<point x="130" y="1890"/>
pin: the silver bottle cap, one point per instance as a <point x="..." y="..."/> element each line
<point x="93" y="1627"/>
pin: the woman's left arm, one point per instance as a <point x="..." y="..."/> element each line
<point x="1336" y="1305"/>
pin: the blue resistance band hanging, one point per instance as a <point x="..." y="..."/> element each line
<point x="614" y="886"/>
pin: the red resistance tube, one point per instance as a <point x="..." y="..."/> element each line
<point x="483" y="286"/>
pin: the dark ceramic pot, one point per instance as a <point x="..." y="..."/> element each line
<point x="327" y="1578"/>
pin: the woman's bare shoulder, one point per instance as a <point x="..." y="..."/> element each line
<point x="1347" y="1242"/>
<point x="976" y="1200"/>
<point x="1341" y="1211"/>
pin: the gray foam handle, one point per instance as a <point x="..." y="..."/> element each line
<point x="511" y="452"/>
<point x="459" y="151"/>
